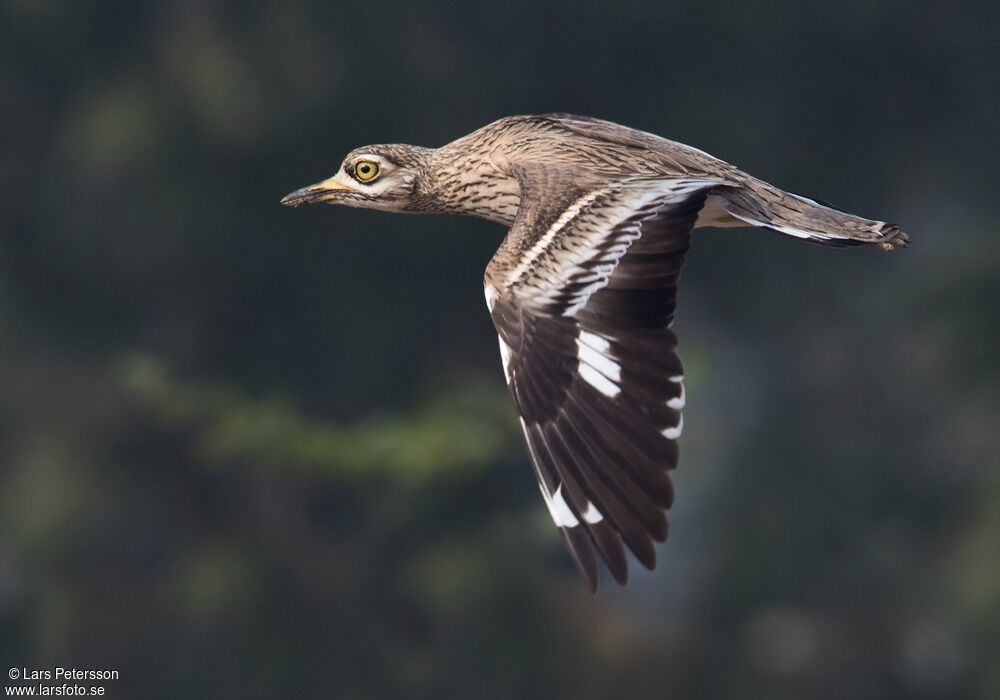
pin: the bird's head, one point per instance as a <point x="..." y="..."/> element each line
<point x="388" y="177"/>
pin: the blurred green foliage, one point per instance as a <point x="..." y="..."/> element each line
<point x="252" y="452"/>
<point x="458" y="432"/>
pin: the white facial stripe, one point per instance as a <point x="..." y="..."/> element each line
<point x="677" y="378"/>
<point x="674" y="432"/>
<point x="677" y="403"/>
<point x="378" y="185"/>
<point x="562" y="516"/>
<point x="598" y="381"/>
<point x="346" y="180"/>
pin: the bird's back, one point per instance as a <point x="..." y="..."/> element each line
<point x="585" y="148"/>
<point x="594" y="145"/>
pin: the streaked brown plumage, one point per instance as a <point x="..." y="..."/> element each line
<point x="582" y="293"/>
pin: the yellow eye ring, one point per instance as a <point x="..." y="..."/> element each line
<point x="365" y="170"/>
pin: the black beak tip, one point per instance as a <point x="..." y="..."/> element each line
<point x="296" y="198"/>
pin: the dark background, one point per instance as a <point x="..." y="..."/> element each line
<point x="251" y="452"/>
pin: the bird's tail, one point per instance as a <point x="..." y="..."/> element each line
<point x="760" y="204"/>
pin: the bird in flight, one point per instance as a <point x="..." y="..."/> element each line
<point x="582" y="292"/>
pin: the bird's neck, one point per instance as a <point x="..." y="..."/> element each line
<point x="467" y="182"/>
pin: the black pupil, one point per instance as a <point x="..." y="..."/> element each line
<point x="365" y="169"/>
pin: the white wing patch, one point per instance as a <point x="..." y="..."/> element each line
<point x="562" y="516"/>
<point x="560" y="511"/>
<point x="598" y="343"/>
<point x="598" y="381"/>
<point x="674" y="432"/>
<point x="602" y="363"/>
<point x="596" y="365"/>
<point x="592" y="516"/>
<point x="677" y="402"/>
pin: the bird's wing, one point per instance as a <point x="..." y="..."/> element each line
<point x="582" y="294"/>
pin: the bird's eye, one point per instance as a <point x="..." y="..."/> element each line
<point x="365" y="170"/>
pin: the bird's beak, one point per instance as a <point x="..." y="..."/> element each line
<point x="320" y="192"/>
